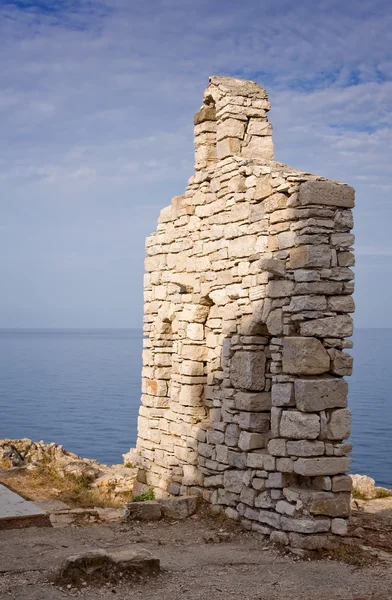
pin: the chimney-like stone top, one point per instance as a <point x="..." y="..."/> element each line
<point x="237" y="87"/>
<point x="232" y="122"/>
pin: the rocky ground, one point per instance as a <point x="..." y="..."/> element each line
<point x="201" y="558"/>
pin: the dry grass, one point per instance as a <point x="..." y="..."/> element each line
<point x="45" y="483"/>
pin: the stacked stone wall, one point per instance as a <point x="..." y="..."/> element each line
<point x="248" y="290"/>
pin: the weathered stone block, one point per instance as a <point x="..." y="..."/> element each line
<point x="304" y="356"/>
<point x="233" y="481"/>
<point x="305" y="448"/>
<point x="326" y="192"/>
<point x="254" y="421"/>
<point x="299" y="426"/>
<point x="283" y="394"/>
<point x="342" y="483"/>
<point x="252" y="441"/>
<point x="334" y="327"/>
<point x="305" y="525"/>
<point x="312" y="467"/>
<point x="143" y="511"/>
<point x="313" y="395"/>
<point x="339" y="424"/>
<point x="247" y="370"/>
<point x="339" y="526"/>
<point x="252" y="401"/>
<point x="304" y="257"/>
<point x="230" y="128"/>
<point x="277" y="447"/>
<point x="338" y="506"/>
<point x="179" y="508"/>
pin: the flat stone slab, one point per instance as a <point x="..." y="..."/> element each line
<point x="17" y="513"/>
<point x="99" y="566"/>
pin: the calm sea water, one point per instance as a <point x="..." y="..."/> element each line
<point x="81" y="388"/>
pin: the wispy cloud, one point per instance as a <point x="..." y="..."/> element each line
<point x="96" y="103"/>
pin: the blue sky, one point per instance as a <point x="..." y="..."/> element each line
<point x="96" y="109"/>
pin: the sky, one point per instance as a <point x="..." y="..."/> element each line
<point x="96" y="111"/>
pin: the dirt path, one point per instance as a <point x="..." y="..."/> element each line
<point x="200" y="559"/>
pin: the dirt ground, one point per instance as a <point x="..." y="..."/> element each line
<point x="201" y="558"/>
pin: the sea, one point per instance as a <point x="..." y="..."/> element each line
<point x="81" y="388"/>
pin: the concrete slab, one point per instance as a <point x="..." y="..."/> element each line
<point x="17" y="513"/>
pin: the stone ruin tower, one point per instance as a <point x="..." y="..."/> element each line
<point x="248" y="288"/>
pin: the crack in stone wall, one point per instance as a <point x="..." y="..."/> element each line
<point x="248" y="290"/>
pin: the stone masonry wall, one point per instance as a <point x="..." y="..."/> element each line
<point x="247" y="293"/>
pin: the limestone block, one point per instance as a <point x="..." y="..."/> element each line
<point x="179" y="508"/>
<point x="300" y="303"/>
<point x="299" y="426"/>
<point x="252" y="401"/>
<point x="274" y="322"/>
<point x="193" y="352"/>
<point x="286" y="239"/>
<point x="285" y="465"/>
<point x="222" y="453"/>
<point x="248" y="496"/>
<point x="304" y="356"/>
<point x="143" y="511"/>
<point x="304" y="257"/>
<point x="255" y="460"/>
<point x="285" y="508"/>
<point x="229" y="146"/>
<point x="342" y="363"/>
<point x="277" y="447"/>
<point x="337" y="506"/>
<point x="273" y="265"/>
<point x="206" y="113"/>
<point x="282" y="394"/>
<point x="233" y="481"/>
<point x="232" y="434"/>
<point x="254" y="421"/>
<point x="264" y="500"/>
<point x="195" y="313"/>
<point x="313" y="395"/>
<point x="269" y="518"/>
<point x="312" y="467"/>
<point x="305" y="448"/>
<point x="192" y="475"/>
<point x="305" y="525"/>
<point x="252" y="441"/>
<point x="230" y="128"/>
<point x="191" y="367"/>
<point x="341" y="304"/>
<point x="339" y="526"/>
<point x="236" y="459"/>
<point x="275" y="202"/>
<point x="339" y="424"/>
<point x="259" y="127"/>
<point x="258" y="484"/>
<point x="326" y="192"/>
<point x="343" y="483"/>
<point x="195" y="331"/>
<point x="243" y="246"/>
<point x="346" y="259"/>
<point x="247" y="370"/>
<point x="342" y="241"/>
<point x="259" y="147"/>
<point x="154" y="387"/>
<point x="340" y="326"/>
<point x="263" y="188"/>
<point x="280" y="288"/>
